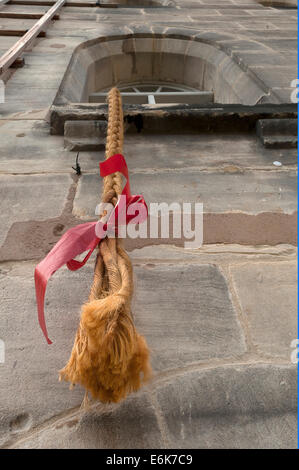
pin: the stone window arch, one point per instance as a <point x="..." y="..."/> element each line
<point x="101" y="63"/>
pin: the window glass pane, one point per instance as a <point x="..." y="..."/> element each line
<point x="147" y="88"/>
<point x="138" y="93"/>
<point x="169" y="89"/>
<point x="127" y="90"/>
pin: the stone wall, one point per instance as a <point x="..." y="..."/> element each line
<point x="220" y="320"/>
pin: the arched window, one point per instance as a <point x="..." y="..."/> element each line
<point x="156" y="93"/>
<point x="158" y="69"/>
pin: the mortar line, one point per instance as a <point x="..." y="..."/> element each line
<point x="244" y="325"/>
<point x="163" y="428"/>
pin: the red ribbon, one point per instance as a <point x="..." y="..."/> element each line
<point x="83" y="237"/>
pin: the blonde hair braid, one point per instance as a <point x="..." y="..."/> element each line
<point x="109" y="357"/>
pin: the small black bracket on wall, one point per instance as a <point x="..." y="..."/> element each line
<point x="77" y="168"/>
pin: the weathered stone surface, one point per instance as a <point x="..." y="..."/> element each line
<point x="277" y="127"/>
<point x="280" y="142"/>
<point x="285" y="94"/>
<point x="277" y="133"/>
<point x="213" y="253"/>
<point x="156" y="151"/>
<point x="279" y="3"/>
<point x="181" y="412"/>
<point x="85" y="135"/>
<point x="177" y="118"/>
<point x="29" y="377"/>
<point x="49" y="64"/>
<point x="249" y="58"/>
<point x="39" y="93"/>
<point x="146" y="152"/>
<point x="34" y="102"/>
<point x="220" y="192"/>
<point x="10" y="24"/>
<point x="218" y="319"/>
<point x="275" y="77"/>
<point x="282" y="44"/>
<point x="130" y="425"/>
<point x="84" y="144"/>
<point x="243" y="45"/>
<point x="31" y="197"/>
<point x="232" y="407"/>
<point x="208" y="319"/>
<point x="267" y="293"/>
<point x="6" y="43"/>
<point x="29" y="374"/>
<point x="85" y="129"/>
<point x="29" y="148"/>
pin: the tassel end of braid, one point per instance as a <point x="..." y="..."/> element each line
<point x="109" y="358"/>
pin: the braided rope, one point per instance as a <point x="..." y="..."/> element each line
<point x="109" y="358"/>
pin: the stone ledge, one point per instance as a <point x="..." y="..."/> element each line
<point x="167" y="118"/>
<point x="277" y="133"/>
<point x="85" y="135"/>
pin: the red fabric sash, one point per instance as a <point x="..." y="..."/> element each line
<point x="83" y="237"/>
